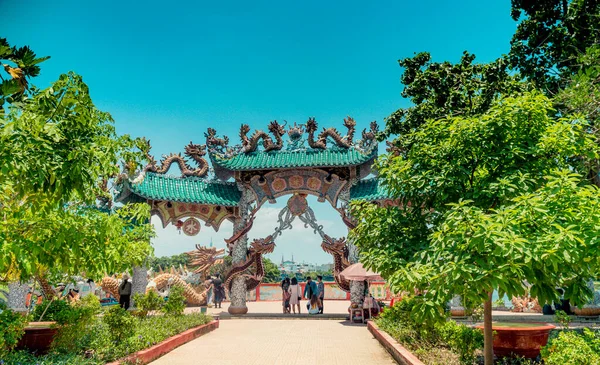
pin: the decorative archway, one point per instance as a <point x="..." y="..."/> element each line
<point x="328" y="165"/>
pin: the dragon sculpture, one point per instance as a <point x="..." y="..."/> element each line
<point x="321" y="142"/>
<point x="193" y="151"/>
<point x="370" y="136"/>
<point x="47" y="290"/>
<point x="251" y="144"/>
<point x="162" y="281"/>
<point x="258" y="248"/>
<point x="339" y="250"/>
<point x="203" y="258"/>
<point x="111" y="286"/>
<point x="159" y="283"/>
<point x="212" y="140"/>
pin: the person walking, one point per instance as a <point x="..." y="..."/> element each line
<point x="219" y="290"/>
<point x="321" y="288"/>
<point x="295" y="295"/>
<point x="285" y="295"/>
<point x="310" y="289"/>
<point x="125" y="292"/>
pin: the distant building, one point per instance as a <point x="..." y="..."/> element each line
<point x="292" y="267"/>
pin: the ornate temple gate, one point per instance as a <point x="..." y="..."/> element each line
<point x="243" y="177"/>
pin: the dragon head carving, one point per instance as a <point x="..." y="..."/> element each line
<point x="276" y="128"/>
<point x="244" y="129"/>
<point x="262" y="245"/>
<point x="311" y="125"/>
<point x="204" y="257"/>
<point x="195" y="150"/>
<point x="349" y="123"/>
<point x="336" y="246"/>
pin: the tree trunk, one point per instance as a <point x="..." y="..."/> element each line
<point x="488" y="333"/>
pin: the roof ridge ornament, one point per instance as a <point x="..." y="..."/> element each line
<point x="340" y="141"/>
<point x="251" y="144"/>
<point x="194" y="151"/>
<point x="311" y="143"/>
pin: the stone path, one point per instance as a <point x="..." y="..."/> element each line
<point x="281" y="342"/>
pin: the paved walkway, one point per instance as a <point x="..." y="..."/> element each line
<point x="331" y="307"/>
<point x="281" y="342"/>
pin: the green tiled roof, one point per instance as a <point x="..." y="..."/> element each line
<point x="260" y="160"/>
<point x="186" y="190"/>
<point x="368" y="189"/>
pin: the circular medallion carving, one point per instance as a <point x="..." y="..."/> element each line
<point x="181" y="208"/>
<point x="191" y="227"/>
<point x="204" y="210"/>
<point x="278" y="185"/>
<point x="296" y="181"/>
<point x="193" y="207"/>
<point x="297" y="204"/>
<point x="313" y="183"/>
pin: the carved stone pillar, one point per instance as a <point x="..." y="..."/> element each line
<point x="139" y="281"/>
<point x="238" y="287"/>
<point x="17" y="294"/>
<point x="237" y="295"/>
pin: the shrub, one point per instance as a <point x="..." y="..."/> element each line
<point x="27" y="358"/>
<point x="12" y="328"/>
<point x="150" y="301"/>
<point x="55" y="310"/>
<point x="463" y="340"/>
<point x="176" y="302"/>
<point x="570" y="347"/>
<point x="76" y="333"/>
<point x="430" y="338"/>
<point x="147" y="332"/>
<point x="120" y="323"/>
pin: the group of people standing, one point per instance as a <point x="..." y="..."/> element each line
<point x="292" y="294"/>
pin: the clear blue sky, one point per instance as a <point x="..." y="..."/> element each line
<point x="168" y="70"/>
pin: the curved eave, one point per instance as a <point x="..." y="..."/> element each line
<point x="369" y="190"/>
<point x="184" y="190"/>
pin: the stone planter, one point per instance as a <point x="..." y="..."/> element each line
<point x="519" y="339"/>
<point x="38" y="337"/>
<point x="587" y="311"/>
<point x="458" y="312"/>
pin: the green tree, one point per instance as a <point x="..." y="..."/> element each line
<point x="58" y="153"/>
<point x="487" y="202"/>
<point x="550" y="37"/>
<point x="19" y="64"/>
<point x="439" y="89"/>
<point x="272" y="272"/>
<point x="165" y="262"/>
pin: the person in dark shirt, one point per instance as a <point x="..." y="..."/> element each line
<point x="321" y="288"/>
<point x="125" y="292"/>
<point x="219" y="290"/>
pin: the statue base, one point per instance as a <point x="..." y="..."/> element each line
<point x="237" y="310"/>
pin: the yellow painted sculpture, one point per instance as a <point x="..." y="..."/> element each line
<point x="163" y="281"/>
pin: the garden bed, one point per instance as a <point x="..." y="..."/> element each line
<point x="93" y="345"/>
<point x="398" y="352"/>
<point x="168" y="345"/>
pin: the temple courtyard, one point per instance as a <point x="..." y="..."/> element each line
<point x="266" y="341"/>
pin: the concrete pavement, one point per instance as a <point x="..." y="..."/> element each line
<point x="280" y="342"/>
